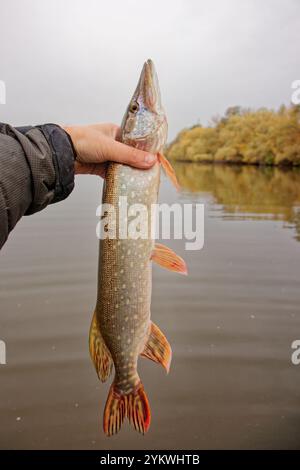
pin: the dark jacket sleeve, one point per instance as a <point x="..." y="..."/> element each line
<point x="36" y="169"/>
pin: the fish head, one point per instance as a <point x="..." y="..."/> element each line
<point x="144" y="125"/>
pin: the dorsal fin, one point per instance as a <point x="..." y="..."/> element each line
<point x="99" y="352"/>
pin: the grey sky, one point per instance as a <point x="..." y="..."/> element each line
<point x="77" y="61"/>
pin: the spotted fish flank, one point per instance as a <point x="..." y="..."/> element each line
<point x="121" y="329"/>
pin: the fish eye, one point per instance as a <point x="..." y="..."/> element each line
<point x="134" y="107"/>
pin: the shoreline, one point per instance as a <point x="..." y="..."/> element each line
<point x="287" y="165"/>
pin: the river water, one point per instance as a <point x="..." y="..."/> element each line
<point x="231" y="322"/>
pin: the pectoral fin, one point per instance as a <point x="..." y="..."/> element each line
<point x="168" y="259"/>
<point x="99" y="351"/>
<point x="170" y="172"/>
<point x="158" y="348"/>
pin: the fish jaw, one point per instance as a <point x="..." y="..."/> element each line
<point x="147" y="92"/>
<point x="144" y="125"/>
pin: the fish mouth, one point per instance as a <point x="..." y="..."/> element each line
<point x="148" y="91"/>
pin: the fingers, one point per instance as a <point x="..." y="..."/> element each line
<point x="108" y="129"/>
<point x="121" y="153"/>
<point x="96" y="144"/>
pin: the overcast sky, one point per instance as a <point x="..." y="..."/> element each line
<point x="78" y="61"/>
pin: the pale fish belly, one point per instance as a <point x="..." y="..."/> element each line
<point x="125" y="277"/>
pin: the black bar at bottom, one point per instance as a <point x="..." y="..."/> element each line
<point x="134" y="459"/>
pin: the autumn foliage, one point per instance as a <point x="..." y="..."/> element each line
<point x="262" y="137"/>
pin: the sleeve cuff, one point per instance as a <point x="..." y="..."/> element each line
<point x="63" y="154"/>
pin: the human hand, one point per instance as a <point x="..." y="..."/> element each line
<point x="97" y="144"/>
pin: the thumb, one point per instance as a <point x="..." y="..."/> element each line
<point x="122" y="153"/>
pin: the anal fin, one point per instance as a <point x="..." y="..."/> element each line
<point x="168" y="259"/>
<point x="158" y="348"/>
<point x="99" y="352"/>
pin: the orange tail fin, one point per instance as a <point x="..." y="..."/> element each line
<point x="134" y="405"/>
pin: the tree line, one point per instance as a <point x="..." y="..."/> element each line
<point x="261" y="137"/>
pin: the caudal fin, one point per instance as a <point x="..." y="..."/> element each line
<point x="134" y="405"/>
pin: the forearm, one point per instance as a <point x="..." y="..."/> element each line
<point x="36" y="169"/>
<point x="37" y="164"/>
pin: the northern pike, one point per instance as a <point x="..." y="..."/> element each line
<point x="121" y="328"/>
